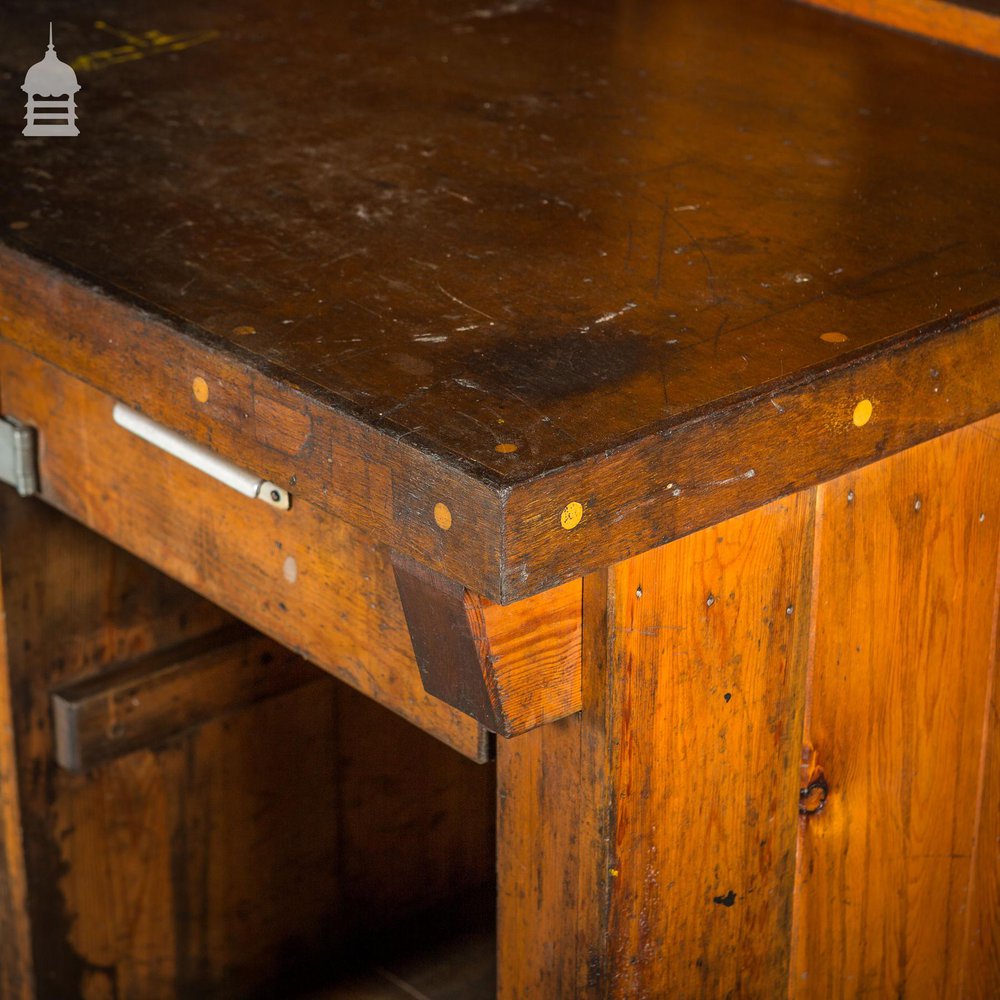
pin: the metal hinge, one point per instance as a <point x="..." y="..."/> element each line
<point x="18" y="467"/>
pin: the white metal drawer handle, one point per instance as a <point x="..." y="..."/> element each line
<point x="201" y="458"/>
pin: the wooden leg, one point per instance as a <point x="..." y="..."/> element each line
<point x="647" y="847"/>
<point x="785" y="776"/>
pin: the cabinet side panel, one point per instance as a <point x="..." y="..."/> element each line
<point x="904" y="610"/>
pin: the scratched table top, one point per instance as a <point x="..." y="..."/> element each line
<point x="515" y="233"/>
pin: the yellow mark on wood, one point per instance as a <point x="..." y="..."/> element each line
<point x="19" y="225"/>
<point x="862" y="413"/>
<point x="149" y="43"/>
<point x="506" y="448"/>
<point x="442" y="516"/>
<point x="200" y="389"/>
<point x="833" y="338"/>
<point x="571" y="516"/>
<point x="244" y="331"/>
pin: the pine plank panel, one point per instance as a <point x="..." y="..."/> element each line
<point x="205" y="867"/>
<point x="553" y="836"/>
<point x="16" y="967"/>
<point x="72" y="603"/>
<point x="416" y="819"/>
<point x="905" y="581"/>
<point x="981" y="971"/>
<point x="16" y="970"/>
<point x="709" y="687"/>
<point x="647" y="847"/>
<point x="541" y="853"/>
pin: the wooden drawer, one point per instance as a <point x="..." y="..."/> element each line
<point x="307" y="579"/>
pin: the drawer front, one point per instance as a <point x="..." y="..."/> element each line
<point x="307" y="579"/>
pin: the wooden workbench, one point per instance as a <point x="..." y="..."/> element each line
<point x="631" y="370"/>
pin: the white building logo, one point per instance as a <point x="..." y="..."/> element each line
<point x="51" y="86"/>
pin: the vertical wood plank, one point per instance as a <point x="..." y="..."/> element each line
<point x="16" y="974"/>
<point x="553" y="837"/>
<point x="539" y="860"/>
<point x="72" y="603"/>
<point x="981" y="967"/>
<point x="905" y="585"/>
<point x="710" y="637"/>
<point x="647" y="847"/>
<point x="208" y="865"/>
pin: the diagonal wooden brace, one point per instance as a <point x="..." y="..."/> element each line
<point x="511" y="667"/>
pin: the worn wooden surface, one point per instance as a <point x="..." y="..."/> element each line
<point x="144" y="702"/>
<point x="636" y="497"/>
<point x="693" y="728"/>
<point x="308" y="580"/>
<point x="784" y="778"/>
<point x="511" y="667"/>
<point x="234" y="859"/>
<point x="981" y="972"/>
<point x="16" y="970"/>
<point x="449" y="263"/>
<point x="973" y="24"/>
<point x="710" y="638"/>
<point x="904" y="653"/>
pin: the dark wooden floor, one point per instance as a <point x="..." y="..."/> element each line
<point x="449" y="956"/>
<point x="460" y="969"/>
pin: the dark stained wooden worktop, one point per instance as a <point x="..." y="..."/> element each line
<point x="519" y="235"/>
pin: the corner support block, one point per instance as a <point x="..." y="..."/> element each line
<point x="511" y="667"/>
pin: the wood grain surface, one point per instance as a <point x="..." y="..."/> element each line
<point x="243" y="856"/>
<point x="142" y="703"/>
<point x="511" y="667"/>
<point x="306" y="579"/>
<point x="784" y="777"/>
<point x="973" y="24"/>
<point x="654" y="840"/>
<point x="981" y="972"/>
<point x="905" y="648"/>
<point x="16" y="967"/>
<point x="435" y="277"/>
